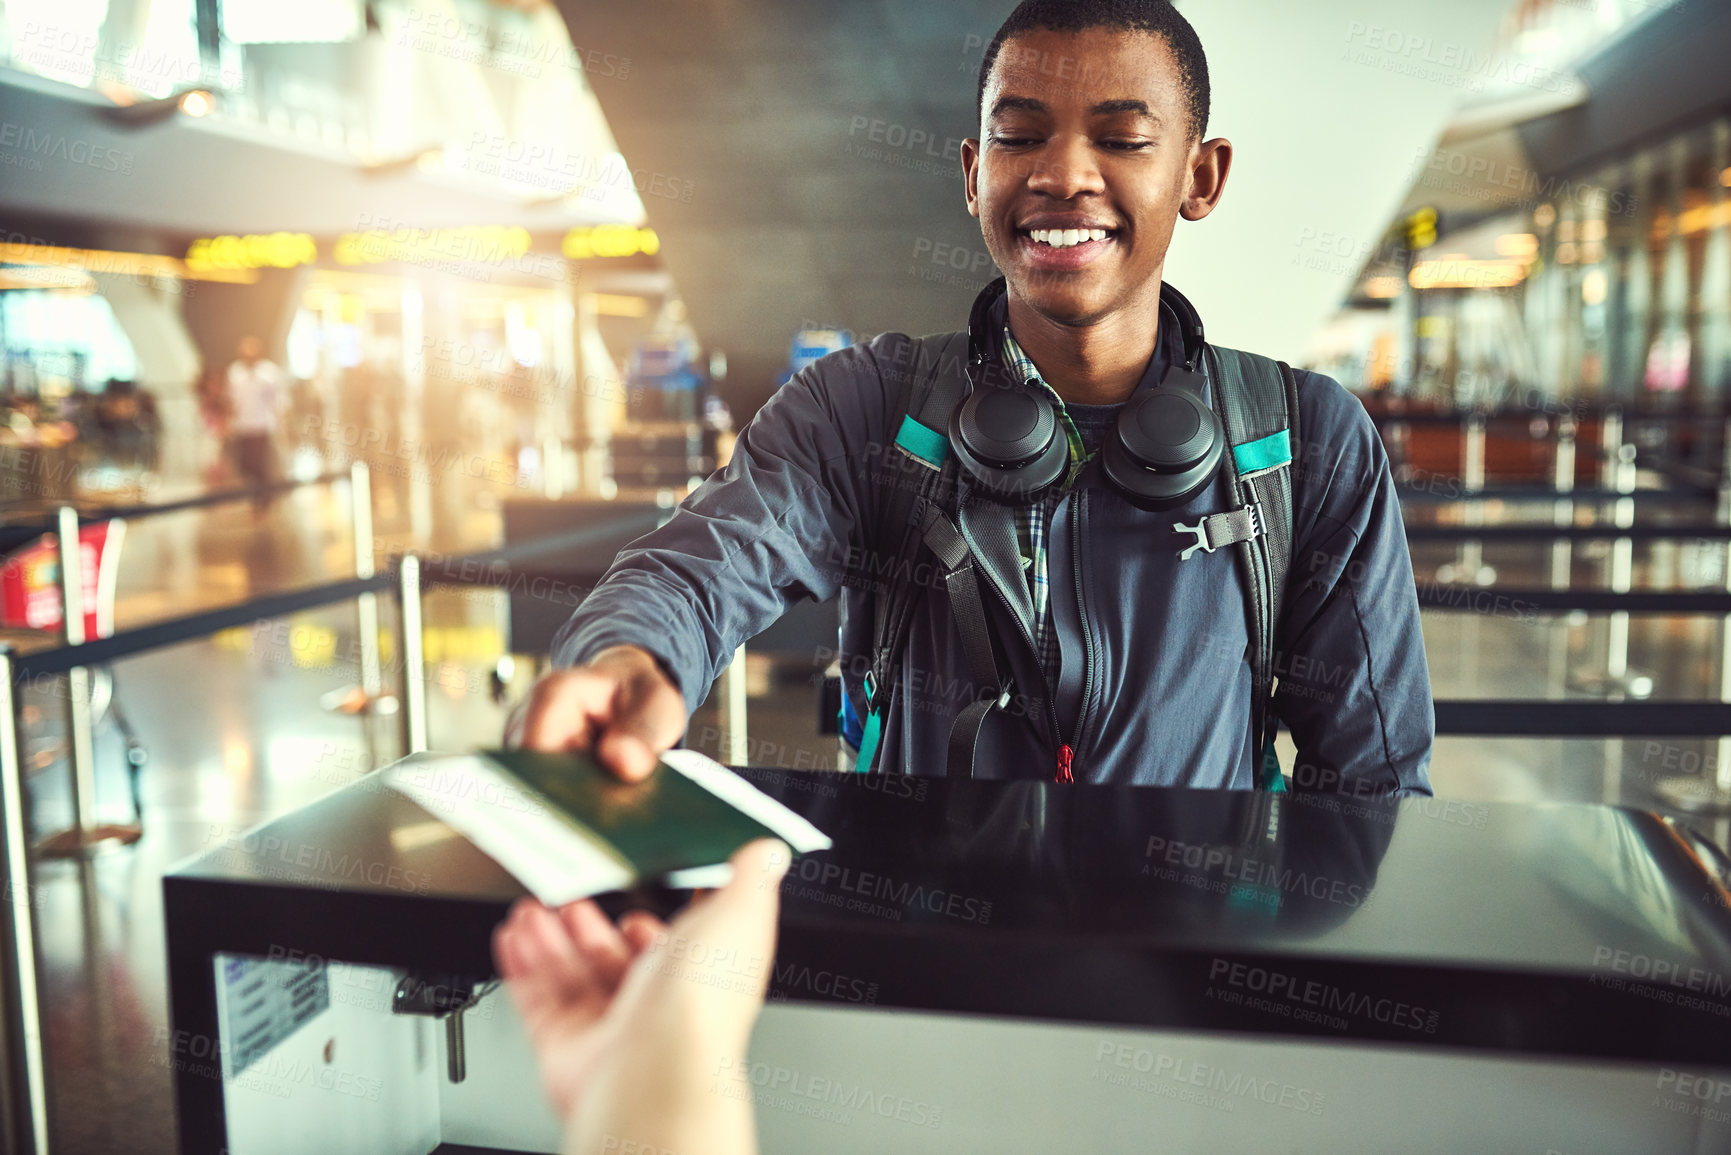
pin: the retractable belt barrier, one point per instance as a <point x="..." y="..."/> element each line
<point x="1575" y="413"/>
<point x="1457" y="492"/>
<point x="1469" y="599"/>
<point x="1684" y="531"/>
<point x="1544" y="718"/>
<point x="490" y="569"/>
<point x="90" y="514"/>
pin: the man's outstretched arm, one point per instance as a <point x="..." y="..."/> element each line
<point x="772" y="528"/>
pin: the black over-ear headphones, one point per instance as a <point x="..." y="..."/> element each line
<point x="1165" y="448"/>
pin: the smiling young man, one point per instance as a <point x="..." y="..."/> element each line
<point x="1074" y="542"/>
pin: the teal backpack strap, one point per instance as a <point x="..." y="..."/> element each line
<point x="1257" y="400"/>
<point x="917" y="472"/>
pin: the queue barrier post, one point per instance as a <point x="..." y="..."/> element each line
<point x="367" y="606"/>
<point x="1562" y="549"/>
<point x="1725" y="474"/>
<point x="1610" y="440"/>
<point x="1469" y="564"/>
<point x="1622" y="570"/>
<point x="1610" y="447"/>
<point x="1701" y="795"/>
<point x="735" y="745"/>
<point x="23" y="1065"/>
<point x="1400" y="447"/>
<point x="84" y="836"/>
<point x="368" y="698"/>
<point x="1610" y="458"/>
<point x="1563" y="480"/>
<point x="553" y="468"/>
<point x="1618" y="472"/>
<point x="414" y="681"/>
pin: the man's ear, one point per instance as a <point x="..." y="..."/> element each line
<point x="971" y="175"/>
<point x="1208" y="168"/>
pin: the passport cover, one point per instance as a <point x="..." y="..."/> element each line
<point x="568" y="829"/>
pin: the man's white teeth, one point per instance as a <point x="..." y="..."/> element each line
<point x="1066" y="238"/>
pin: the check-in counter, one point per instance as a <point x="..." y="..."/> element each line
<point x="1008" y="967"/>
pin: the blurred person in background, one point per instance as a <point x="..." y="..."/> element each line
<point x="214" y="410"/>
<point x="306" y="417"/>
<point x="258" y="391"/>
<point x="641" y="1047"/>
<point x="127" y="418"/>
<point x="371" y="399"/>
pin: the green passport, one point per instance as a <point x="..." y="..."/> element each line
<point x="567" y="828"/>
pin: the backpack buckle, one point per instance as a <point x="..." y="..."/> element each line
<point x="1218" y="529"/>
<point x="1200" y="529"/>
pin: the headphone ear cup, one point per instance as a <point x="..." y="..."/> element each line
<point x="1165" y="448"/>
<point x="1039" y="462"/>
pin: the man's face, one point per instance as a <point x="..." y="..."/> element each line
<point x="1083" y="132"/>
<point x="251" y="349"/>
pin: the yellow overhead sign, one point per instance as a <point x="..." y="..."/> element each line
<point x="255" y="251"/>
<point x="122" y="264"/>
<point x="1464" y="273"/>
<point x="485" y="244"/>
<point x="610" y="241"/>
<point x="1421" y="229"/>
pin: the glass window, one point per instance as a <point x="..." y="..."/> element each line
<point x="62" y="341"/>
<point x="55" y="38"/>
<point x="302" y="22"/>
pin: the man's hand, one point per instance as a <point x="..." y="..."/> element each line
<point x="620" y="706"/>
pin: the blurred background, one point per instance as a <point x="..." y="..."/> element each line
<point x="290" y="291"/>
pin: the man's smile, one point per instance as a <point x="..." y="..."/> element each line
<point x="1057" y="244"/>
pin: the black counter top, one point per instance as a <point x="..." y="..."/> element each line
<point x="1552" y="929"/>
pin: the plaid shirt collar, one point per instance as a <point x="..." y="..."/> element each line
<point x="1033" y="520"/>
<point x="1019" y="363"/>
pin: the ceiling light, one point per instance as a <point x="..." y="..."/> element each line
<point x="1382" y="288"/>
<point x="425" y="159"/>
<point x="1517" y="245"/>
<point x="192" y="101"/>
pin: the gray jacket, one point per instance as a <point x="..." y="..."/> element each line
<point x="1154" y="687"/>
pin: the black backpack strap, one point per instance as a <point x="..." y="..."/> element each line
<point x="916" y="472"/>
<point x="962" y="583"/>
<point x="1257" y="400"/>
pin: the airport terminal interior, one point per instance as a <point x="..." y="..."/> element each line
<point x="345" y="343"/>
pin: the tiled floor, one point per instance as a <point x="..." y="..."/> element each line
<point x="236" y="735"/>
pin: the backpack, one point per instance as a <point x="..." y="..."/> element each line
<point x="1257" y="400"/>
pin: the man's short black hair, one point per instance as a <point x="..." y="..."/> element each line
<point x="1154" y="16"/>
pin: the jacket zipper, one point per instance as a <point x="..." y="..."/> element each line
<point x="1067" y="752"/>
<point x="1045" y="684"/>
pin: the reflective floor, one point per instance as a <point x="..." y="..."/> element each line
<point x="236" y="735"/>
